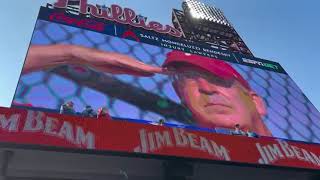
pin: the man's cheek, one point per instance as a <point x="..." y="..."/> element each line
<point x="203" y="99"/>
<point x="245" y="100"/>
<point x="191" y="89"/>
<point x="245" y="107"/>
<point x="196" y="102"/>
<point x="192" y="95"/>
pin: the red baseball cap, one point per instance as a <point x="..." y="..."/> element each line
<point x="214" y="66"/>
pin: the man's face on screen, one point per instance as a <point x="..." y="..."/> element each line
<point x="216" y="102"/>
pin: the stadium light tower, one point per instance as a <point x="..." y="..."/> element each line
<point x="203" y="23"/>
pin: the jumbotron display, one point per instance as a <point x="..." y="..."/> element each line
<point x="75" y="71"/>
<point x="102" y="79"/>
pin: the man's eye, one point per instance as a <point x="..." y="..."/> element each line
<point x="218" y="80"/>
<point x="190" y="75"/>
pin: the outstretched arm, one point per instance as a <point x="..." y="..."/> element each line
<point x="42" y="57"/>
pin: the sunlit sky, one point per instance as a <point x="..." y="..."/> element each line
<point x="284" y="31"/>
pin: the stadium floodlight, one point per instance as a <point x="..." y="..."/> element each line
<point x="199" y="10"/>
<point x="203" y="23"/>
<point x="194" y="14"/>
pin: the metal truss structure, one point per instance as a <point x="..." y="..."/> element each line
<point x="205" y="24"/>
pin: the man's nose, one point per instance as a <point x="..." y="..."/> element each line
<point x="206" y="87"/>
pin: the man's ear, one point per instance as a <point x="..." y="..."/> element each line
<point x="259" y="102"/>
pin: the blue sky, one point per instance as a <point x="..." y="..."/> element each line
<point x="284" y="31"/>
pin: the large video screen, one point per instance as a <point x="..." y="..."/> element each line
<point x="79" y="72"/>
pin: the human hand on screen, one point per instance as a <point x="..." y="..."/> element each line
<point x="47" y="56"/>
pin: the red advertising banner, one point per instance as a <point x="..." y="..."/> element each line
<point x="39" y="128"/>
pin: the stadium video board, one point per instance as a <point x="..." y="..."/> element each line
<point x="97" y="69"/>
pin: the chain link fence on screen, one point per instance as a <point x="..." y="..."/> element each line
<point x="289" y="113"/>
